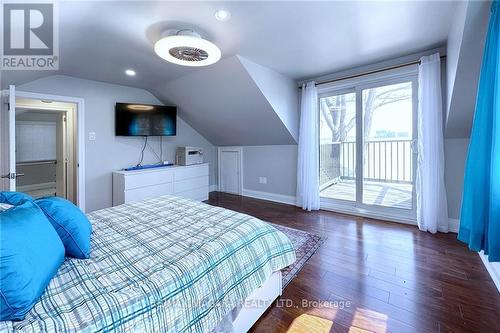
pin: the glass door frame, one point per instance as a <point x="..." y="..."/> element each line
<point x="338" y="92"/>
<point x="357" y="85"/>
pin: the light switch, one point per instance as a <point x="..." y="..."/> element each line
<point x="91" y="136"/>
<point x="263" y="180"/>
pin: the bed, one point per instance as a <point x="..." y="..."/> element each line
<point x="166" y="264"/>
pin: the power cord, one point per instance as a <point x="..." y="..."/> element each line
<point x="154" y="153"/>
<point x="142" y="151"/>
<point x="152" y="150"/>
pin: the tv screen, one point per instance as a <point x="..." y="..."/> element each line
<point x="145" y="120"/>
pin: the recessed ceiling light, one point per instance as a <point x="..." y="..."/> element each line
<point x="222" y="15"/>
<point x="187" y="48"/>
<point x="130" y="72"/>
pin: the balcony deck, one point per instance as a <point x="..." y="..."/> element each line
<point x="395" y="195"/>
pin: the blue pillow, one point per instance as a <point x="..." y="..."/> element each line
<point x="71" y="224"/>
<point x="14" y="198"/>
<point x="30" y="255"/>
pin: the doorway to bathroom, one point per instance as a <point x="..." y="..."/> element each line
<point x="45" y="148"/>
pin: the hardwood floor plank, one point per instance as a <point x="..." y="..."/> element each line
<point x="396" y="278"/>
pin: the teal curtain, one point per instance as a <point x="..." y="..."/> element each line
<point x="480" y="215"/>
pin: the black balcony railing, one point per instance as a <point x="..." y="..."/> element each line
<point x="384" y="161"/>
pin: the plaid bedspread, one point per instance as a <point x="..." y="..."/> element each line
<point x="162" y="265"/>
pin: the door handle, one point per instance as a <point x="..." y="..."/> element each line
<point x="9" y="176"/>
<point x="12" y="175"/>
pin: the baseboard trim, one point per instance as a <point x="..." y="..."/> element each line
<point x="364" y="213"/>
<point x="492" y="268"/>
<point x="453" y="224"/>
<point x="281" y="198"/>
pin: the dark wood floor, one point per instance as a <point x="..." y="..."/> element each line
<point x="397" y="278"/>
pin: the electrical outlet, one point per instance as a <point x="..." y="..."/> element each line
<point x="262" y="180"/>
<point x="91" y="136"/>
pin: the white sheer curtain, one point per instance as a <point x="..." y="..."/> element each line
<point x="432" y="209"/>
<point x="308" y="159"/>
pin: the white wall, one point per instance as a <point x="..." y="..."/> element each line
<point x="277" y="163"/>
<point x="109" y="152"/>
<point x="455" y="154"/>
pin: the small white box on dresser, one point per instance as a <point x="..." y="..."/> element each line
<point x="189" y="181"/>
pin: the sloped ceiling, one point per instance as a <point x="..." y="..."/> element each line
<point x="226" y="106"/>
<point x="280" y="91"/>
<point x="236" y="101"/>
<point x="453" y="49"/>
<point x="465" y="52"/>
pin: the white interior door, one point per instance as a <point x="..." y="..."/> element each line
<point x="230" y="170"/>
<point x="61" y="166"/>
<point x="8" y="116"/>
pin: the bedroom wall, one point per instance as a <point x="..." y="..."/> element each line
<point x="277" y="163"/>
<point x="108" y="152"/>
<point x="455" y="154"/>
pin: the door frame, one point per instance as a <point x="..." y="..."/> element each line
<point x="239" y="150"/>
<point x="80" y="135"/>
<point x="358" y="84"/>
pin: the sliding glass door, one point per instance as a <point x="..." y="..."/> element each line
<point x="388" y="145"/>
<point x="367" y="146"/>
<point x="338" y="146"/>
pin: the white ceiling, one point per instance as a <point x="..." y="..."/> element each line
<point x="99" y="40"/>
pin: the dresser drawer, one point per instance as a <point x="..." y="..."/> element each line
<point x="191" y="181"/>
<point x="152" y="191"/>
<point x="148" y="178"/>
<point x="199" y="194"/>
<point x="190" y="184"/>
<point x="192" y="171"/>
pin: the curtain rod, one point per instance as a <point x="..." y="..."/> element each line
<point x="370" y="72"/>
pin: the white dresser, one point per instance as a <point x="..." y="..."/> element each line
<point x="189" y="181"/>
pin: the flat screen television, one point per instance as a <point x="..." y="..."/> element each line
<point x="145" y="120"/>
